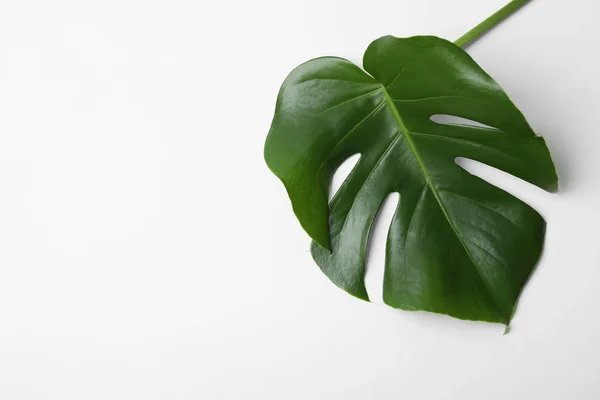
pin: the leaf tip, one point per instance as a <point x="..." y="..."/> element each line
<point x="324" y="243"/>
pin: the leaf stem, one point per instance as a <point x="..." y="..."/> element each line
<point x="490" y="22"/>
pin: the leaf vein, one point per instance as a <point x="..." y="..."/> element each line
<point x="482" y="205"/>
<point x="348" y="101"/>
<point x="410" y="59"/>
<point x="412" y="217"/>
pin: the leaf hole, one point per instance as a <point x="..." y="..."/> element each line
<point x="342" y="173"/>
<point x="537" y="198"/>
<point x="445" y="119"/>
<point x="375" y="267"/>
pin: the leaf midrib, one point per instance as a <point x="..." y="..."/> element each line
<point x="403" y="130"/>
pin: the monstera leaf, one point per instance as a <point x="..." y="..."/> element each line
<point x="457" y="245"/>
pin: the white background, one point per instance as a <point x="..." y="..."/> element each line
<point x="146" y="252"/>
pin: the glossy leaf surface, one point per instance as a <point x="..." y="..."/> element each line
<point x="457" y="245"/>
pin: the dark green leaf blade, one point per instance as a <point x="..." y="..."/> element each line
<point x="457" y="245"/>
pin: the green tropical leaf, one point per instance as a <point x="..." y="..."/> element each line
<point x="457" y="245"/>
